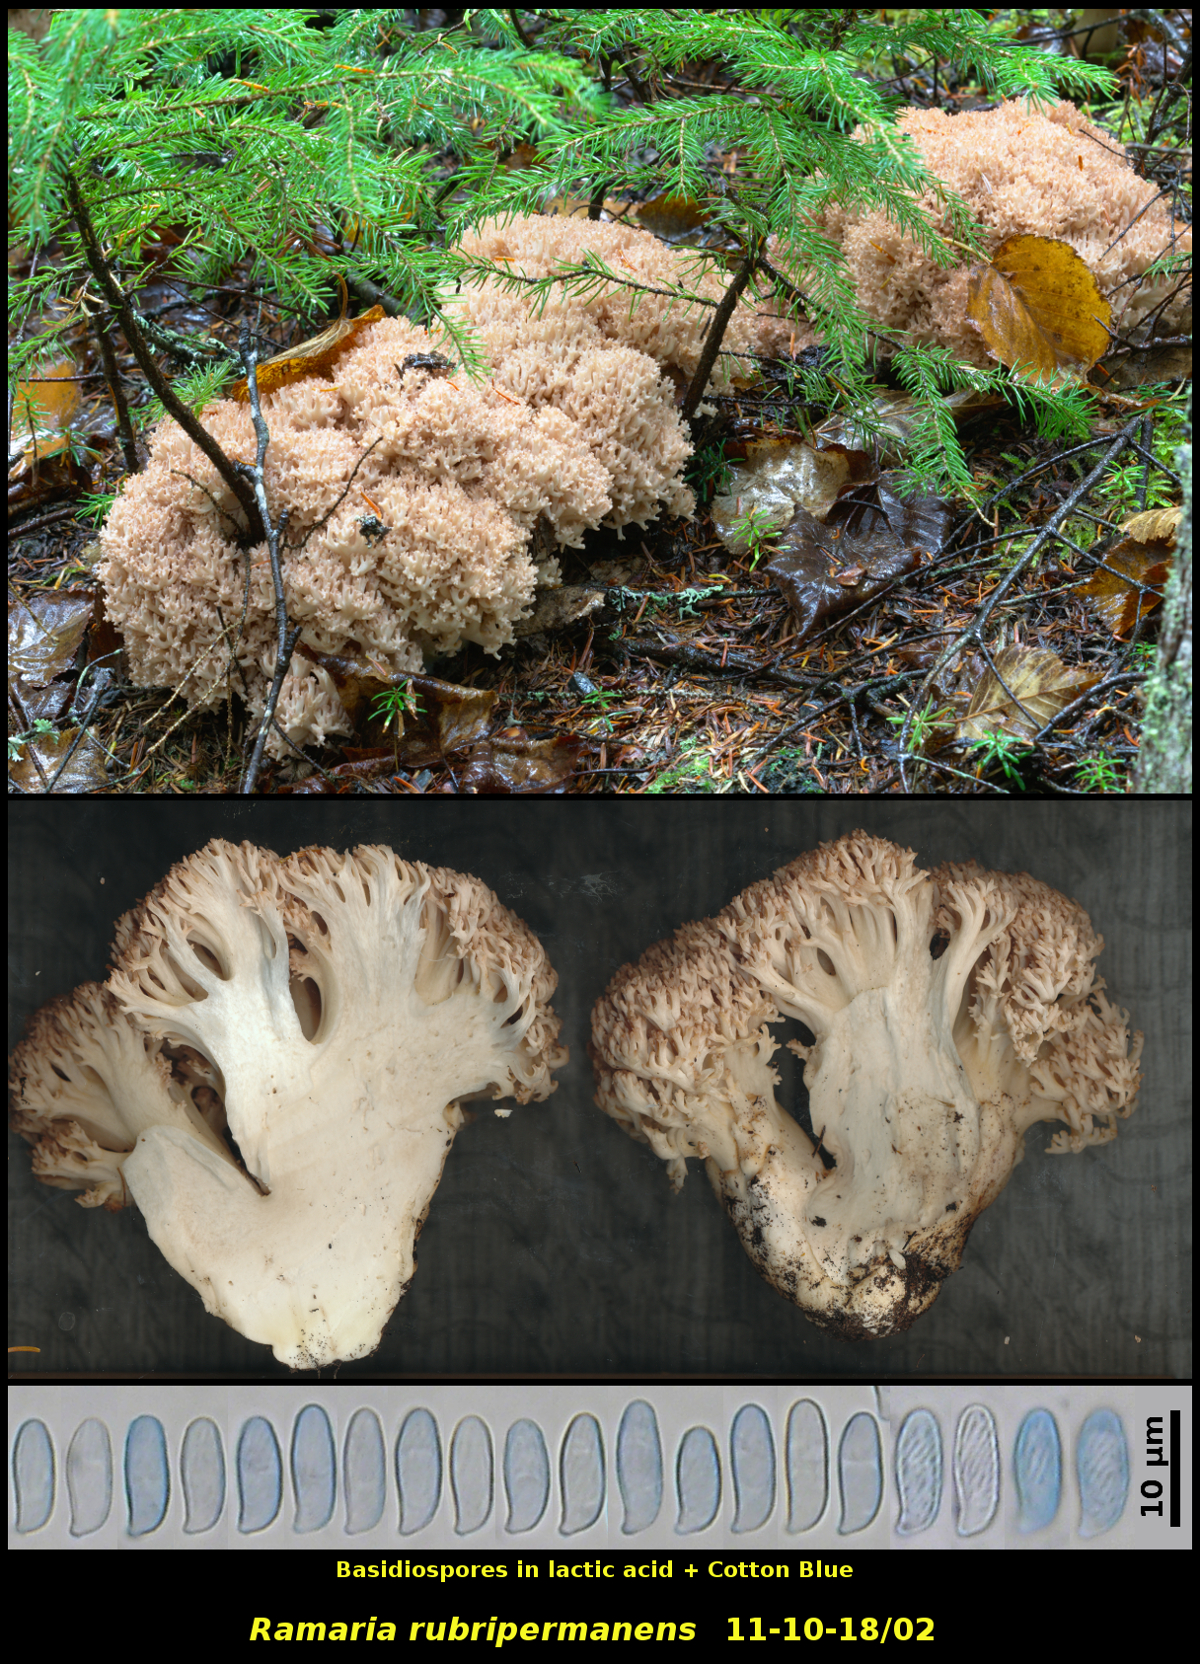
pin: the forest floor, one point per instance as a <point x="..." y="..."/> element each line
<point x="668" y="664"/>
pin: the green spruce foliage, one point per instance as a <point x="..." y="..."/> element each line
<point x="348" y="144"/>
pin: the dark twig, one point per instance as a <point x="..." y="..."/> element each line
<point x="116" y="393"/>
<point x="732" y="663"/>
<point x="140" y="348"/>
<point x="515" y="18"/>
<point x="285" y="638"/>
<point x="24" y="725"/>
<point x="1037" y="543"/>
<point x="372" y="295"/>
<point x="716" y="332"/>
<point x="1126" y="678"/>
<point x="28" y="526"/>
<point x="80" y="735"/>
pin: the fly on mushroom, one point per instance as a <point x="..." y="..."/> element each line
<point x="432" y="362"/>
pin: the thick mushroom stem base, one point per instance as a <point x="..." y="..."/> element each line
<point x="864" y="1246"/>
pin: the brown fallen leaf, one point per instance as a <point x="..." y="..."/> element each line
<point x="1039" y="308"/>
<point x="311" y="358"/>
<point x="69" y="767"/>
<point x="45" y="629"/>
<point x="1130" y="582"/>
<point x="870" y="539"/>
<point x="515" y="762"/>
<point x="1154" y="525"/>
<point x="1035" y="677"/>
<point x="46" y="458"/>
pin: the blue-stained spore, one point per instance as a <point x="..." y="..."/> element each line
<point x="1102" y="1460"/>
<point x="1037" y="1469"/>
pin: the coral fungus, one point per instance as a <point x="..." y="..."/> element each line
<point x="577" y="424"/>
<point x="1020" y="172"/>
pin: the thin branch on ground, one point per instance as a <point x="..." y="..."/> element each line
<point x="286" y="637"/>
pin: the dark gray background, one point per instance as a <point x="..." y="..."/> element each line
<point x="554" y="1244"/>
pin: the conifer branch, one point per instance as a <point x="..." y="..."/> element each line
<point x="303" y="129"/>
<point x="296" y="154"/>
<point x="140" y="349"/>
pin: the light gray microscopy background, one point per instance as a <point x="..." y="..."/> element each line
<point x="554" y="1245"/>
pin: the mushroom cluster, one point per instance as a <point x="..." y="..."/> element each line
<point x="1020" y="171"/>
<point x="412" y="496"/>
